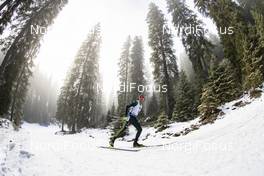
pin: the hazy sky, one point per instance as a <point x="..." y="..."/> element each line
<point x="118" y="18"/>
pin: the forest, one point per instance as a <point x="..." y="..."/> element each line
<point x="224" y="66"/>
<point x="131" y="87"/>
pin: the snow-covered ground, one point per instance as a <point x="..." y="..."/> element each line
<point x="233" y="145"/>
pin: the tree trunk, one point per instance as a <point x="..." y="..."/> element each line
<point x="62" y="125"/>
<point x="15" y="93"/>
<point x="79" y="89"/>
<point x="73" y="127"/>
<point x="169" y="103"/>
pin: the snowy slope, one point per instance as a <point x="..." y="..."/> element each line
<point x="233" y="145"/>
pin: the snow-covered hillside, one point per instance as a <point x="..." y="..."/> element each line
<point x="233" y="145"/>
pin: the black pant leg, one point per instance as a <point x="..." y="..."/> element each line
<point x="136" y="124"/>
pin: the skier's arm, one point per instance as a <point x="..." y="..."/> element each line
<point x="131" y="105"/>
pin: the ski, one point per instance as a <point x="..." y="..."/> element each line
<point x="121" y="149"/>
<point x="149" y="146"/>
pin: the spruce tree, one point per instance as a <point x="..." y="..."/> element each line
<point x="225" y="80"/>
<point x="184" y="109"/>
<point x="117" y="124"/>
<point x="82" y="83"/>
<point x="62" y="106"/>
<point x="258" y="16"/>
<point x="153" y="108"/>
<point x="253" y="65"/>
<point x="253" y="50"/>
<point x="86" y="84"/>
<point x="226" y="14"/>
<point x="137" y="74"/>
<point x="15" y="15"/>
<point x="98" y="110"/>
<point x="108" y="118"/>
<point x="197" y="46"/>
<point x="243" y="48"/>
<point x="64" y="102"/>
<point x="111" y="114"/>
<point x="137" y="67"/>
<point x="208" y="108"/>
<point x="162" y="56"/>
<point x="259" y="23"/>
<point x="123" y="75"/>
<point x="23" y="49"/>
<point x="249" y="6"/>
<point x="221" y="88"/>
<point x="10" y="8"/>
<point x="162" y="122"/>
<point x="19" y="93"/>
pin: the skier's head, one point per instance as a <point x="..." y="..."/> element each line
<point x="141" y="98"/>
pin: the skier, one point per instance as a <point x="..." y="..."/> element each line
<point x="132" y="112"/>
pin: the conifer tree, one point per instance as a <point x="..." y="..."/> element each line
<point x="253" y="64"/>
<point x="244" y="47"/>
<point x="137" y="73"/>
<point x="162" y="122"/>
<point x="98" y="110"/>
<point x="123" y="74"/>
<point x="184" y="109"/>
<point x="61" y="113"/>
<point x="16" y="14"/>
<point x="124" y="95"/>
<point x="81" y="86"/>
<point x="253" y="48"/>
<point x="23" y="49"/>
<point x="111" y="114"/>
<point x="9" y="8"/>
<point x="208" y="108"/>
<point x="153" y="107"/>
<point x="64" y="102"/>
<point x="221" y="88"/>
<point x="191" y="30"/>
<point x="249" y="6"/>
<point x="117" y="124"/>
<point x="86" y="84"/>
<point x="113" y="109"/>
<point x="108" y="118"/>
<point x="19" y="93"/>
<point x="258" y="16"/>
<point x="227" y="16"/>
<point x="197" y="46"/>
<point x="162" y="56"/>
